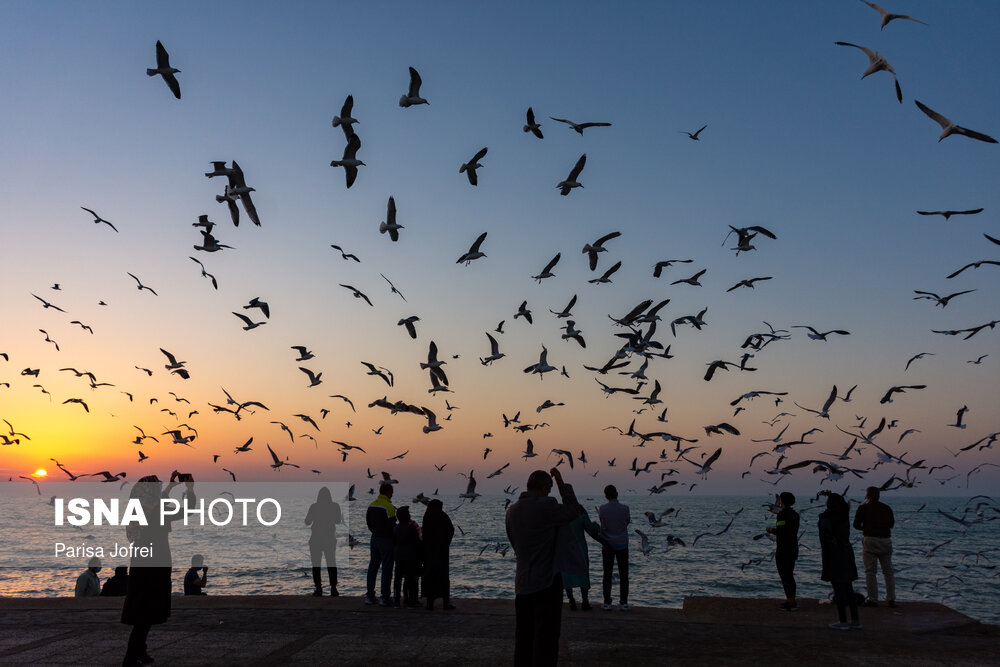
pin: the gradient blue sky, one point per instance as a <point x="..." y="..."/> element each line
<point x="795" y="142"/>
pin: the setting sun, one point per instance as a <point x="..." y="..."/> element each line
<point x="40" y="472"/>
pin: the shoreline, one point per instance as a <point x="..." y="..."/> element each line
<point x="299" y="630"/>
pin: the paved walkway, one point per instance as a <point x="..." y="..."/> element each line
<point x="272" y="630"/>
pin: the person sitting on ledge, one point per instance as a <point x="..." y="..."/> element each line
<point x="194" y="584"/>
<point x="87" y="584"/>
<point x="117" y="584"/>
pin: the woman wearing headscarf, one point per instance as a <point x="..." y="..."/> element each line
<point x="438" y="532"/>
<point x="839" y="567"/>
<point x="147" y="597"/>
<point x="323" y="516"/>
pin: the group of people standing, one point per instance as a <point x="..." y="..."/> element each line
<point x="873" y="518"/>
<point x="417" y="552"/>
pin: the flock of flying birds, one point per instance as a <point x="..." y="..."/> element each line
<point x="871" y="453"/>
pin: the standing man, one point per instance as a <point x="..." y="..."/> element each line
<point x="786" y="552"/>
<point x="875" y="520"/>
<point x="535" y="525"/>
<point x="381" y="519"/>
<point x="615" y="518"/>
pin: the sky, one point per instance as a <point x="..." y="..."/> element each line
<point x="795" y="142"/>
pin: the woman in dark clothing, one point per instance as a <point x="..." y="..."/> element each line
<point x="408" y="554"/>
<point x="147" y="598"/>
<point x="839" y="567"/>
<point x="786" y="533"/>
<point x="438" y="532"/>
<point x="323" y="516"/>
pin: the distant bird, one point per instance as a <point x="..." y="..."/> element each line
<point x="977" y="361"/>
<point x="531" y="125"/>
<point x="164" y="69"/>
<point x="432" y="424"/>
<point x="567" y="311"/>
<point x="592" y="249"/>
<point x="915" y="357"/>
<point x="574" y="333"/>
<point x="877" y="63"/>
<point x="748" y="283"/>
<point x="815" y="335"/>
<point x="379" y="371"/>
<point x="262" y="305"/>
<point x="958" y="417"/>
<point x="529" y="450"/>
<point x="949" y="128"/>
<point x="389" y="224"/>
<point x="474" y="252"/>
<point x="940" y="300"/>
<point x="887" y="398"/>
<point x="49" y="340"/>
<point x="973" y="265"/>
<point x="412" y="95"/>
<point x="606" y="277"/>
<point x="579" y="127"/>
<point x="947" y="214"/>
<point x="470" y="488"/>
<point x="542" y="366"/>
<point x="470" y="167"/>
<point x="98" y="219"/>
<point x="343" y="254"/>
<point x="693" y="280"/>
<point x="547" y="271"/>
<point x="358" y="294"/>
<point x="522" y="311"/>
<point x="46" y="304"/>
<point x="140" y="286"/>
<point x="886" y="16"/>
<point x="304" y="354"/>
<point x="78" y="401"/>
<point x="314" y="378"/>
<point x="278" y="462"/>
<point x="694" y="136"/>
<point x="393" y="287"/>
<point x="350" y="161"/>
<point x="571" y="181"/>
<point x="345" y="121"/>
<point x="204" y="273"/>
<point x="249" y="324"/>
<point x="659" y="266"/>
<point x="495" y="352"/>
<point x="408" y="323"/>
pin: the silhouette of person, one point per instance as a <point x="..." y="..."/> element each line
<point x="875" y="521"/>
<point x="533" y="527"/>
<point x="438" y="533"/>
<point x="578" y="575"/>
<point x="614" y="518"/>
<point x="117" y="584"/>
<point x="839" y="567"/>
<point x="88" y="585"/>
<point x="408" y="555"/>
<point x="786" y="552"/>
<point x="197" y="576"/>
<point x="147" y="598"/>
<point x="381" y="519"/>
<point x="323" y="516"/>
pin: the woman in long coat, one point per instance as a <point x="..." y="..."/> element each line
<point x="323" y="516"/>
<point x="839" y="567"/>
<point x="437" y="533"/>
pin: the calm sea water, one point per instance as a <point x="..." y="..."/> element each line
<point x="961" y="574"/>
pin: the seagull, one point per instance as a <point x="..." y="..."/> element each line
<point x="977" y="361"/>
<point x="358" y="294"/>
<point x="547" y="271"/>
<point x="140" y="286"/>
<point x="542" y="366"/>
<point x="412" y="95"/>
<point x="606" y="278"/>
<point x="393" y="287"/>
<point x="574" y="333"/>
<point x="949" y="128"/>
<point x="49" y="340"/>
<point x="278" y="462"/>
<point x="566" y="186"/>
<point x="46" y="304"/>
<point x="474" y="252"/>
<point x="973" y="265"/>
<point x="947" y="214"/>
<point x="695" y="135"/>
<point x="666" y="263"/>
<point x="748" y="283"/>
<point x="304" y="354"/>
<point x="522" y="311"/>
<point x="345" y="255"/>
<point x="379" y="371"/>
<point x="350" y="161"/>
<point x="886" y="16"/>
<point x="307" y="419"/>
<point x="921" y="355"/>
<point x="591" y="249"/>
<point x="579" y="127"/>
<point x="174" y="364"/>
<point x="495" y="352"/>
<point x="644" y="545"/>
<point x="941" y="300"/>
<point x="98" y="219"/>
<point x="344" y="121"/>
<point x="434" y="364"/>
<point x="531" y="125"/>
<point x="825" y="412"/>
<point x="877" y="63"/>
<point x="815" y="335"/>
<point x="230" y="200"/>
<point x="204" y="273"/>
<point x="529" y="450"/>
<point x="142" y="457"/>
<point x="77" y="400"/>
<point x="958" y="417"/>
<point x="567" y="311"/>
<point x="248" y="323"/>
<point x="314" y="378"/>
<point x="432" y="424"/>
<point x="693" y="280"/>
<point x="470" y="167"/>
<point x="108" y="477"/>
<point x="164" y="69"/>
<point x="470" y="488"/>
<point x="408" y="323"/>
<point x="389" y="224"/>
<point x="887" y="398"/>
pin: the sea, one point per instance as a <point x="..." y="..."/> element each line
<point x="935" y="558"/>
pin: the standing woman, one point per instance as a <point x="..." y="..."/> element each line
<point x="438" y="531"/>
<point x="839" y="567"/>
<point x="147" y="598"/>
<point x="323" y="516"/>
<point x="786" y="552"/>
